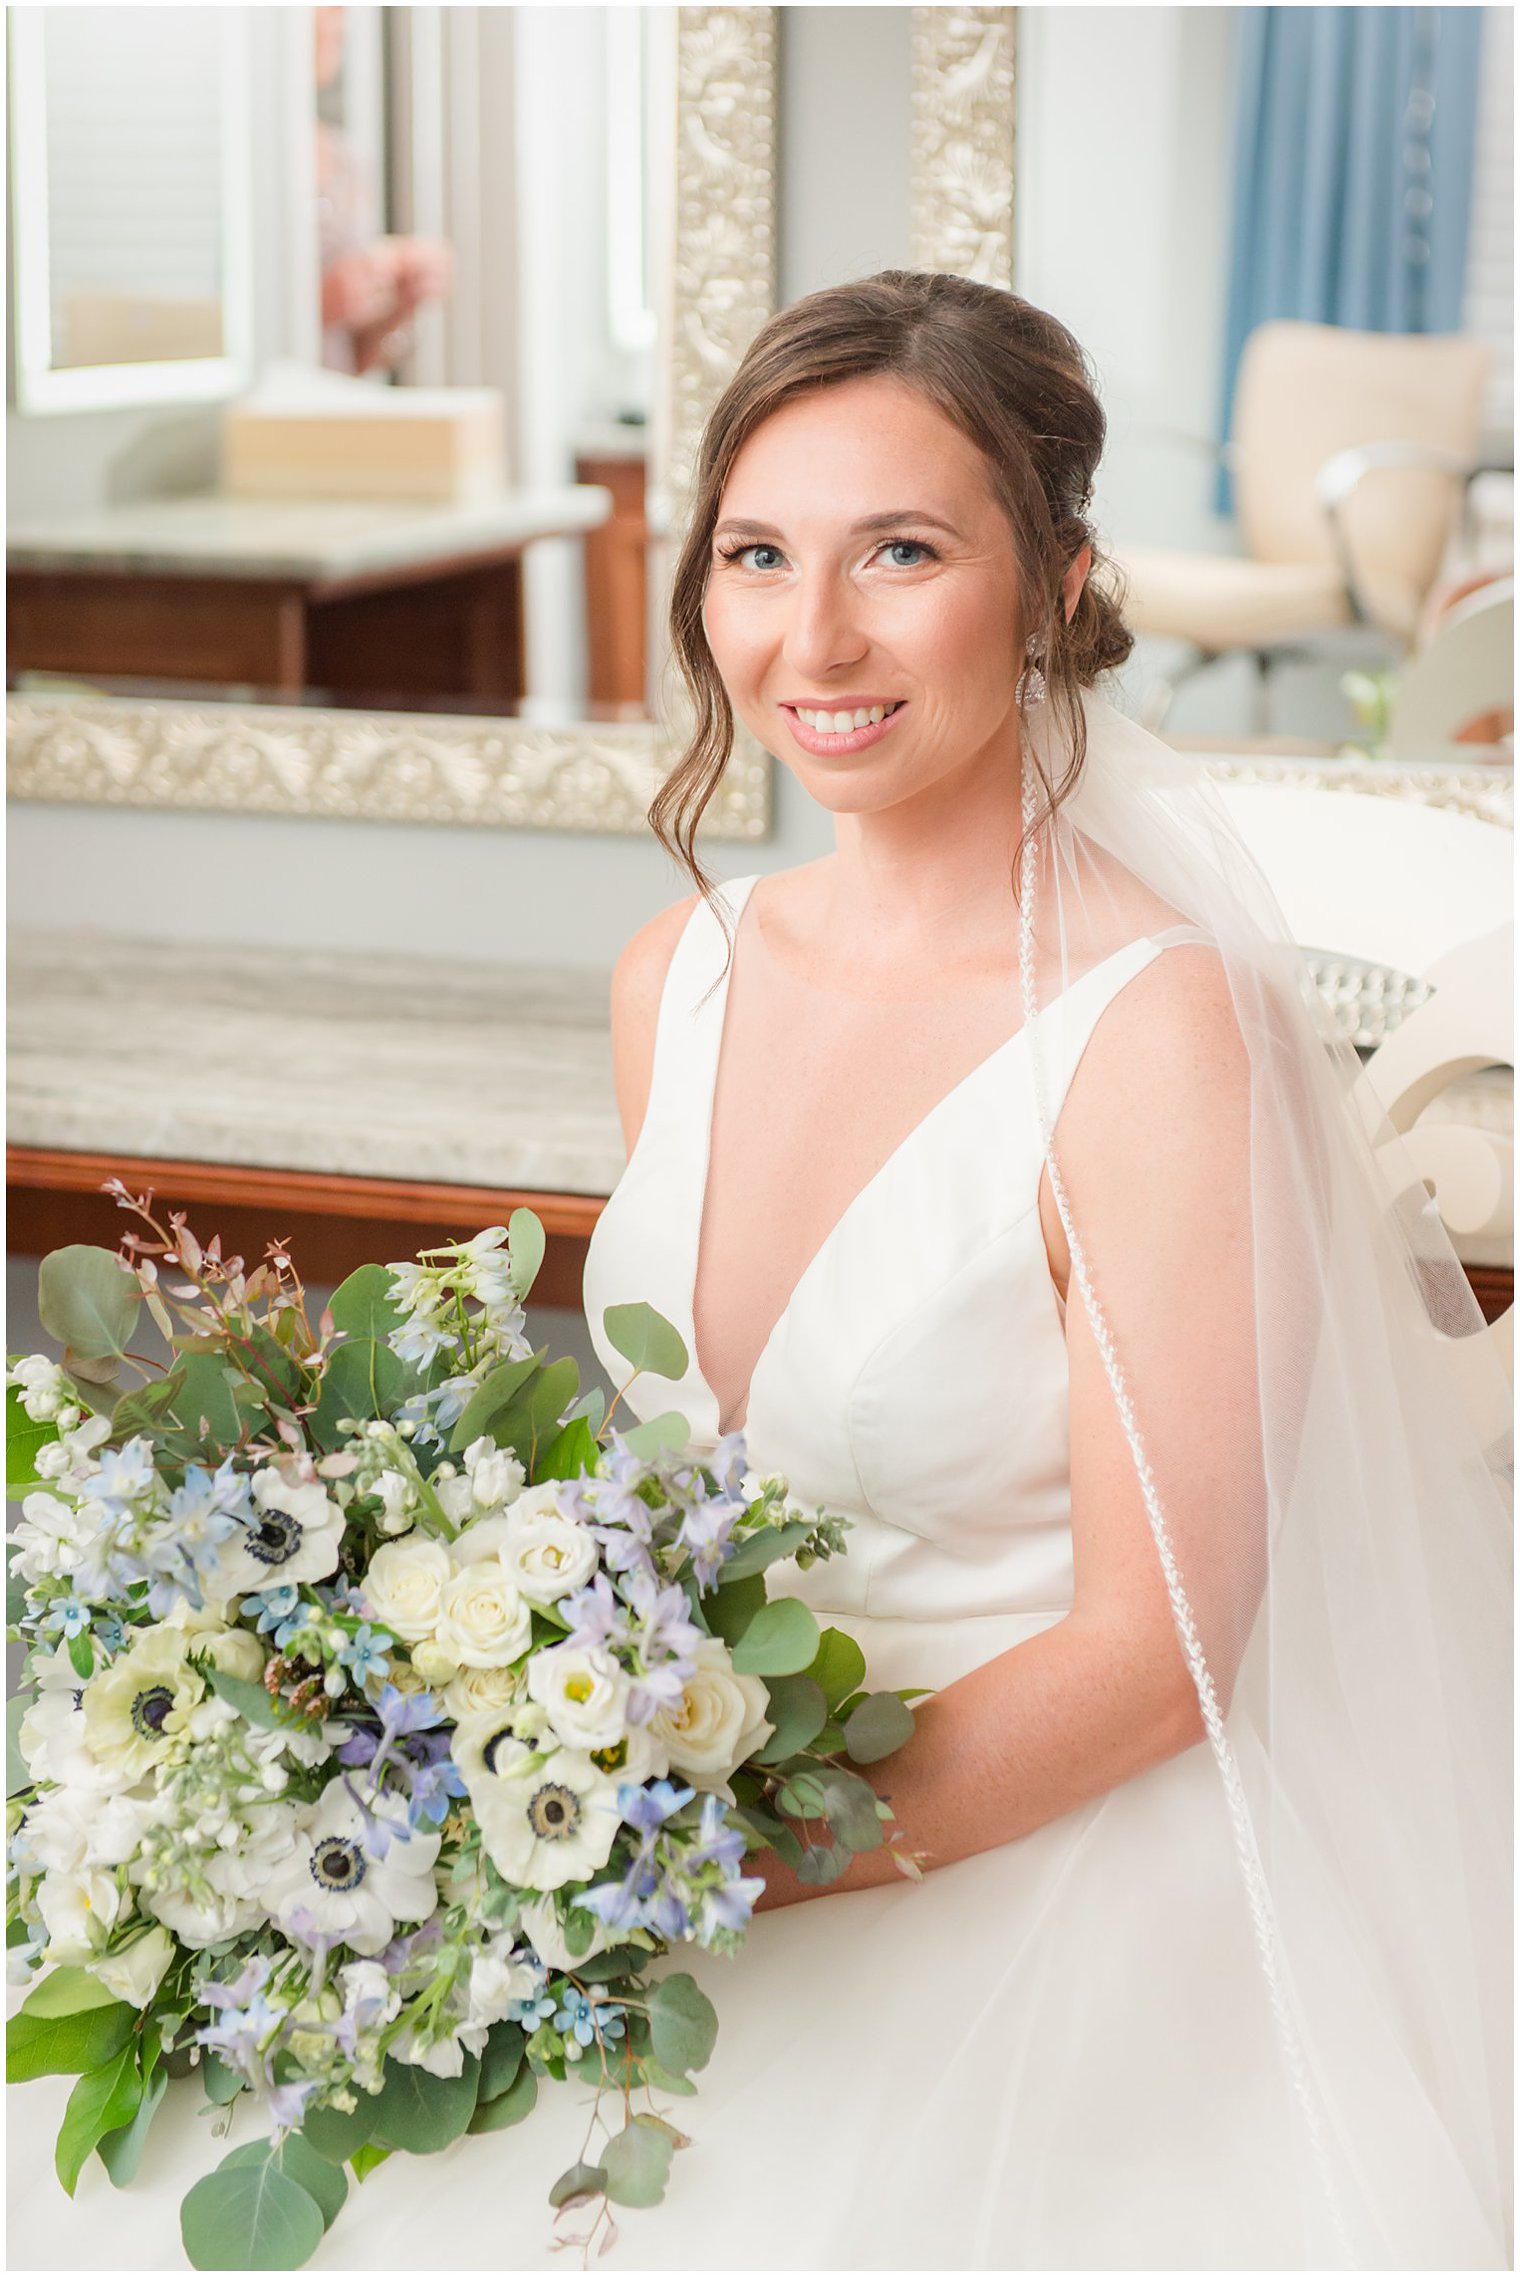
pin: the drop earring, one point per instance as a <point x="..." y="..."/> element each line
<point x="1030" y="687"/>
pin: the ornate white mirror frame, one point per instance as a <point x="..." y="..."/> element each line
<point x="423" y="767"/>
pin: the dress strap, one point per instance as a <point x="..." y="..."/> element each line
<point x="692" y="1004"/>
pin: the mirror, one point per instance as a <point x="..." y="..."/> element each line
<point x="130" y="205"/>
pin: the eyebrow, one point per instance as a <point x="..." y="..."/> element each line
<point x="888" y="521"/>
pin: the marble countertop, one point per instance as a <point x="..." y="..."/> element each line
<point x="470" y="1073"/>
<point x="314" y="540"/>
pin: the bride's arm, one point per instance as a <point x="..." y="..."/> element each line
<point x="1153" y="1142"/>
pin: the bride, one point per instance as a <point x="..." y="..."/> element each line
<point x="1013" y="1202"/>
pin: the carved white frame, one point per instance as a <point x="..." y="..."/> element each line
<point x="427" y="767"/>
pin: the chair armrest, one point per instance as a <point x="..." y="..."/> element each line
<point x="1342" y="475"/>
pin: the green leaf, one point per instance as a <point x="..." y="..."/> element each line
<point x="838" y="1666"/>
<point x="82" y="1656"/>
<point x="102" y="2101"/>
<point x="798" y="1710"/>
<point x="647" y="1338"/>
<point x="66" y="1992"/>
<point x="501" y="2059"/>
<point x="669" y="2082"/>
<point x="532" y="1420"/>
<point x="17" y="1777"/>
<point x="593" y="1405"/>
<point x="525" y="1240"/>
<point x="363" y="1306"/>
<point x="23" y="1438"/>
<point x="251" y="1700"/>
<point x="849" y="1805"/>
<point x="822" y="1864"/>
<point x="338" y="2135"/>
<point x="121" y="2152"/>
<point x="506" y="2109"/>
<point x="417" y="2112"/>
<point x="495" y="1394"/>
<point x="733" y="1605"/>
<point x="781" y="1640"/>
<point x="575" y="1450"/>
<point x="665" y="1434"/>
<point x="83" y="2041"/>
<point x="363" y="1378"/>
<point x="204" y="1387"/>
<point x="763" y="1548"/>
<point x="878" y="1727"/>
<point x="578" y="2181"/>
<point x="636" y="2163"/>
<point x="88" y="1300"/>
<point x="295" y="2157"/>
<point x="221" y="2083"/>
<point x="250" y="2217"/>
<point x="683" y="2023"/>
<point x="367" y="2157"/>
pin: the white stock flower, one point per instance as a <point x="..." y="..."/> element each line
<point x="69" y="1828"/>
<point x="297" y="1536"/>
<point x="483" y="1621"/>
<point x="720" y="1720"/>
<point x="496" y="1475"/>
<point x="79" y="1910"/>
<point x="335" y="1871"/>
<point x="404" y="1585"/>
<point x="583" y="1692"/>
<point x="49" y="1538"/>
<point x="496" y="1979"/>
<point x="218" y="1895"/>
<point x="399" y="1502"/>
<point x="135" y="1973"/>
<point x="43" y="1386"/>
<point x="543" y="1825"/>
<point x="444" y="2058"/>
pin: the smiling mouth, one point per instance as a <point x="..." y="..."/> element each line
<point x="823" y="720"/>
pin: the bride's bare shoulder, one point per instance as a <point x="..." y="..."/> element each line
<point x="638" y="980"/>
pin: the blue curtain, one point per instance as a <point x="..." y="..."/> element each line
<point x="1355" y="130"/>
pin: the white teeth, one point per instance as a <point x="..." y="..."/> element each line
<point x="844" y="723"/>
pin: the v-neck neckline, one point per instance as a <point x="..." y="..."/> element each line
<point x="738" y="891"/>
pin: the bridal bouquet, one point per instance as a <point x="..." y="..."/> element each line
<point x="388" y="1715"/>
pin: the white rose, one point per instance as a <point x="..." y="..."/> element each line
<point x="584" y="1693"/>
<point x="136" y="1972"/>
<point x="721" y="1719"/>
<point x="546" y="1553"/>
<point x="435" y="1666"/>
<point x="404" y="1586"/>
<point x="481" y="1691"/>
<point x="236" y="1652"/>
<point x="482" y="1619"/>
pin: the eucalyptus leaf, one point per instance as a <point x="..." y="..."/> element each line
<point x="250" y="2217"/>
<point x="418" y="2112"/>
<point x="849" y="1805"/>
<point x="798" y="1710"/>
<point x="525" y="1240"/>
<point x="781" y="1640"/>
<point x="251" y="1700"/>
<point x="647" y="1338"/>
<point x="683" y="2023"/>
<point x="878" y="1727"/>
<point x="839" y="1666"/>
<point x="669" y="2082"/>
<point x="102" y="2101"/>
<point x="364" y="1306"/>
<point x="578" y="2181"/>
<point x="88" y="1300"/>
<point x="363" y="1378"/>
<point x="82" y="2041"/>
<point x="531" y="1422"/>
<point x="821" y="1864"/>
<point x="636" y="2163"/>
<point x="507" y="2109"/>
<point x="592" y="1405"/>
<point x="338" y="2135"/>
<point x="294" y="2156"/>
<point x="220" y="2083"/>
<point x="668" y="1433"/>
<point x="121" y="2152"/>
<point x="733" y="1605"/>
<point x="501" y="2059"/>
<point x="763" y="1548"/>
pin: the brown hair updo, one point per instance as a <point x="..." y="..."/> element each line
<point x="1014" y="380"/>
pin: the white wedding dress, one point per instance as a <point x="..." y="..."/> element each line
<point x="1057" y="2053"/>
